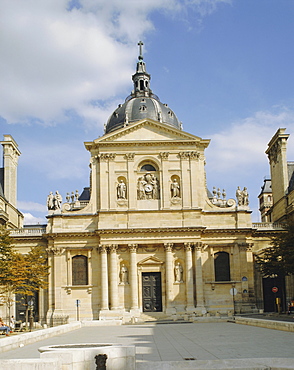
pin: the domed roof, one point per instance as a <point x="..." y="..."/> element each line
<point x="141" y="104"/>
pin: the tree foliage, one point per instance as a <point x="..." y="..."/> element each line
<point x="20" y="273"/>
<point x="278" y="259"/>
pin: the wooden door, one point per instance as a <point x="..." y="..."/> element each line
<point x="152" y="296"/>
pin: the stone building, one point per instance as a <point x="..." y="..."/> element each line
<point x="277" y="206"/>
<point x="147" y="238"/>
<point x="9" y="214"/>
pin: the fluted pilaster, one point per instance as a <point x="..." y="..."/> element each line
<point x="189" y="277"/>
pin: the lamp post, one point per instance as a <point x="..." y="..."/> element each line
<point x="31" y="309"/>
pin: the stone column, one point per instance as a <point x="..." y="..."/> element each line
<point x="164" y="181"/>
<point x="133" y="277"/>
<point x="131" y="181"/>
<point x="200" y="308"/>
<point x="114" y="301"/>
<point x="185" y="174"/>
<point x="105" y="188"/>
<point x="57" y="281"/>
<point x="90" y="281"/>
<point x="104" y="278"/>
<point x="69" y="268"/>
<point x="169" y="276"/>
<point x="189" y="278"/>
<point x="95" y="193"/>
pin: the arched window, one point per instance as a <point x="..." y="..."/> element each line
<point x="147" y="167"/>
<point x="222" y="266"/>
<point x="79" y="270"/>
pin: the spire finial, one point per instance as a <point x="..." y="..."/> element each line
<point x="140" y="43"/>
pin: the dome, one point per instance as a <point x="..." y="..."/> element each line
<point x="141" y="104"/>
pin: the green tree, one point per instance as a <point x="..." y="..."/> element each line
<point x="21" y="273"/>
<point x="278" y="259"/>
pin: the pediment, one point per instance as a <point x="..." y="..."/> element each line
<point x="147" y="130"/>
<point x="150" y="261"/>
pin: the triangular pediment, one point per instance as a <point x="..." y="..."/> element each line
<point x="147" y="130"/>
<point x="150" y="261"/>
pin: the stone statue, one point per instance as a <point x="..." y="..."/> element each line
<point x="175" y="189"/>
<point x="121" y="190"/>
<point x="77" y="195"/>
<point x="54" y="201"/>
<point x="245" y="197"/>
<point x="140" y="188"/>
<point x="57" y="200"/>
<point x="239" y="196"/>
<point x="67" y="197"/>
<point x="50" y="201"/>
<point x="147" y="187"/>
<point x="154" y="182"/>
<point x="242" y="197"/>
<point x="178" y="273"/>
<point x="124" y="274"/>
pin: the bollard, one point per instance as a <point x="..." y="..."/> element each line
<point x="100" y="361"/>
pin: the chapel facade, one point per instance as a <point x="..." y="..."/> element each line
<point x="150" y="239"/>
<point x="146" y="238"/>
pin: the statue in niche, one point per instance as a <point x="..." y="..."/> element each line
<point x="154" y="182"/>
<point x="148" y="187"/>
<point x="239" y="196"/>
<point x="121" y="190"/>
<point x="175" y="189"/>
<point x="140" y="188"/>
<point x="178" y="273"/>
<point x="123" y="274"/>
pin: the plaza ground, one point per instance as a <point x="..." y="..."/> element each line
<point x="177" y="341"/>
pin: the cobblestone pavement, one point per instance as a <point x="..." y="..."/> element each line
<point x="178" y="341"/>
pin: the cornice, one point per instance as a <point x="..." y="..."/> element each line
<point x="70" y="234"/>
<point x="151" y="230"/>
<point x="151" y="143"/>
<point x="228" y="231"/>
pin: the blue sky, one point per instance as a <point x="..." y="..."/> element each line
<point x="224" y="66"/>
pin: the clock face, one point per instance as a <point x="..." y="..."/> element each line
<point x="148" y="188"/>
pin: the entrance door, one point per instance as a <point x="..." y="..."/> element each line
<point x="151" y="287"/>
<point x="270" y="297"/>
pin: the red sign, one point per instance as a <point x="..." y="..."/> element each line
<point x="275" y="289"/>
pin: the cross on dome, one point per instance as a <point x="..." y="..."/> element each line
<point x="140" y="44"/>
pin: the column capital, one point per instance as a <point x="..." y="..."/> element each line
<point x="129" y="156"/>
<point x="168" y="247"/>
<point x="188" y="246"/>
<point x="133" y="247"/>
<point x="106" y="156"/>
<point x="102" y="248"/>
<point x="57" y="251"/>
<point x="113" y="248"/>
<point x="199" y="246"/>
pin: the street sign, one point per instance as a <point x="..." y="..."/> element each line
<point x="275" y="289"/>
<point x="78" y="302"/>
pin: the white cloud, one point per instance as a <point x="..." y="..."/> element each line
<point x="243" y="144"/>
<point x="29" y="219"/>
<point x="56" y="57"/>
<point x="31" y="206"/>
